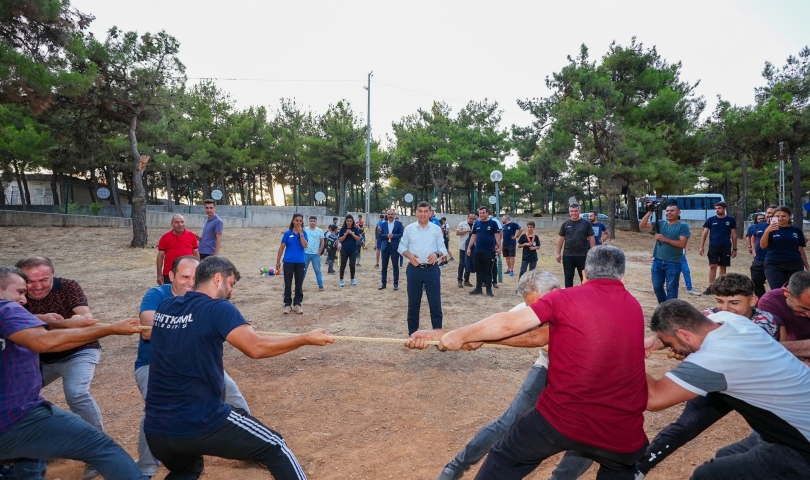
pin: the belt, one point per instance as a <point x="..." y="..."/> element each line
<point x="426" y="265"/>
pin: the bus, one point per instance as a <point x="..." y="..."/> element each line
<point x="693" y="207"/>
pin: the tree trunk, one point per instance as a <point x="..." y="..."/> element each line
<point x="93" y="185"/>
<point x="744" y="197"/>
<point x="342" y="194"/>
<point x="632" y="212"/>
<point x="139" y="233"/>
<point x="271" y="189"/>
<point x="169" y="202"/>
<point x="20" y="178"/>
<point x="112" y="181"/>
<point x="55" y="188"/>
<point x="798" y="218"/>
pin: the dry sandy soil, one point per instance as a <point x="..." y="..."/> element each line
<point x="348" y="410"/>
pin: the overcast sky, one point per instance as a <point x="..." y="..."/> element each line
<point x="320" y="52"/>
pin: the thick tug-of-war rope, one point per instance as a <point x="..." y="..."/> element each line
<point x="382" y="339"/>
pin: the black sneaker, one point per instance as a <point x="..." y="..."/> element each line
<point x="489" y="292"/>
<point x="708" y="291"/>
<point x="460" y="284"/>
<point x="494" y="285"/>
<point x="468" y="284"/>
<point x="476" y="291"/>
<point x="381" y="287"/>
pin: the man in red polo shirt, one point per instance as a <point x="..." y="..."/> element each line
<point x="597" y="389"/>
<point x="177" y="242"/>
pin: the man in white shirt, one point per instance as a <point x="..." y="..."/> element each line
<point x="422" y="245"/>
<point x="752" y="373"/>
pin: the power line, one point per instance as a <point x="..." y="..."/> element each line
<point x="291" y="80"/>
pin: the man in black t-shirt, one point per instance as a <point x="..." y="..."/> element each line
<point x="577" y="235"/>
<point x="484" y="244"/>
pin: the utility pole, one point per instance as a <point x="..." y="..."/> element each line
<point x="368" y="148"/>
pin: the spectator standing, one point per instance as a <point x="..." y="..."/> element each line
<point x="784" y="248"/>
<point x="671" y="237"/>
<point x="314" y="250"/>
<point x="577" y="235"/>
<point x="293" y="243"/>
<point x="465" y="262"/>
<point x="599" y="228"/>
<point x="211" y="238"/>
<point x="422" y="245"/>
<point x="349" y="238"/>
<point x="331" y="244"/>
<point x="389" y="237"/>
<point x="722" y="232"/>
<point x="510" y="233"/>
<point x="377" y="242"/>
<point x="177" y="242"/>
<point x="530" y="243"/>
<point x="484" y="244"/>
<point x="752" y="238"/>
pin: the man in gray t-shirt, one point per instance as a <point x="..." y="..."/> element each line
<point x="577" y="235"/>
<point x="671" y="236"/>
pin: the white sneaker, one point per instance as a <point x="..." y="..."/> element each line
<point x="693" y="292"/>
<point x="639" y="475"/>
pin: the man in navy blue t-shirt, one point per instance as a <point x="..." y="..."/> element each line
<point x="722" y="232"/>
<point x="509" y="234"/>
<point x="752" y="238"/>
<point x="185" y="415"/>
<point x="484" y="243"/>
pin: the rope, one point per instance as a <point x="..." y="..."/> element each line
<point x="386" y="340"/>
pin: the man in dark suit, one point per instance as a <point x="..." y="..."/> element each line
<point x="390" y="234"/>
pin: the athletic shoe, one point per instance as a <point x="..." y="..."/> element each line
<point x="298" y="309"/>
<point x="460" y="284"/>
<point x="342" y="284"/>
<point x="447" y="474"/>
<point x="639" y="476"/>
<point x="708" y="291"/>
<point x="396" y="287"/>
<point x="354" y="282"/>
<point x="476" y="291"/>
<point x="511" y="273"/>
<point x="320" y="288"/>
<point x="377" y="265"/>
<point x="381" y="287"/>
<point x="468" y="284"/>
<point x="286" y="310"/>
<point x="489" y="292"/>
<point x="692" y="292"/>
<point x="494" y="285"/>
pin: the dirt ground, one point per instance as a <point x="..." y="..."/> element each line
<point x="348" y="410"/>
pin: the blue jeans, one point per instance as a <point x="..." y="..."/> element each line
<point x="687" y="274"/>
<point x="50" y="432"/>
<point x="572" y="465"/>
<point x="430" y="277"/>
<point x="77" y="372"/>
<point x="754" y="458"/>
<point x="315" y="260"/>
<point x="664" y="270"/>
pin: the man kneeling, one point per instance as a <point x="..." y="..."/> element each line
<point x="186" y="417"/>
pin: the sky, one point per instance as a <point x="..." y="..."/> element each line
<point x="320" y="52"/>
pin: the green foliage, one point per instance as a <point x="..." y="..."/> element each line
<point x="96" y="208"/>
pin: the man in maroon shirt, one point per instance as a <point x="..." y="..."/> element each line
<point x="55" y="300"/>
<point x="175" y="243"/>
<point x="596" y="395"/>
<point x="791" y="303"/>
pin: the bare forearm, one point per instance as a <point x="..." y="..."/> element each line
<point x="268" y="347"/>
<point x="533" y="338"/>
<point x="800" y="348"/>
<point x="67" y="338"/>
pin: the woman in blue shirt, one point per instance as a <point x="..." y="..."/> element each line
<point x="293" y="243"/>
<point x="784" y="248"/>
<point x="349" y="237"/>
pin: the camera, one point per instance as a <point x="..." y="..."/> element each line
<point x="653" y="205"/>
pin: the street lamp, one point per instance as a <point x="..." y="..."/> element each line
<point x="496" y="176"/>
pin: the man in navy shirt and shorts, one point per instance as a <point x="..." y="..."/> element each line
<point x="185" y="415"/>
<point x="722" y="232"/>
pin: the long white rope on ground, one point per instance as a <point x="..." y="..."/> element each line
<point x="398" y="341"/>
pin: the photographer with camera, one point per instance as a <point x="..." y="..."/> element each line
<point x="671" y="236"/>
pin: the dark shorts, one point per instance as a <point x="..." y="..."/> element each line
<point x="719" y="256"/>
<point x="509" y="251"/>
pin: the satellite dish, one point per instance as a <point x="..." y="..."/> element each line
<point x="216" y="194"/>
<point x="103" y="193"/>
<point x="319" y="196"/>
<point x="572" y="200"/>
<point x="408" y="197"/>
<point x="492" y="199"/>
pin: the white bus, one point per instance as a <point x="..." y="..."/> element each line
<point x="693" y="207"/>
